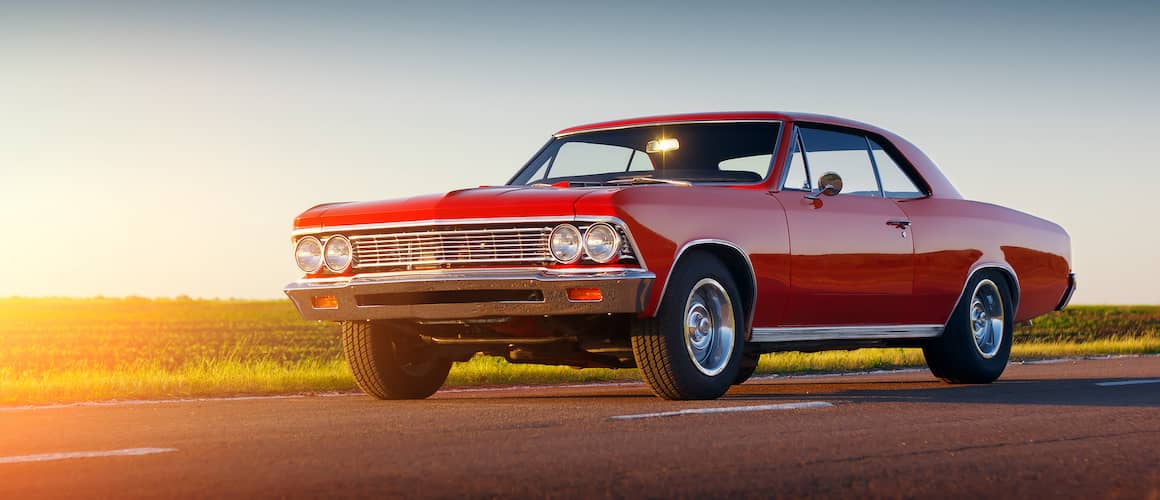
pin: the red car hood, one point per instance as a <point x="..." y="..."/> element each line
<point x="477" y="203"/>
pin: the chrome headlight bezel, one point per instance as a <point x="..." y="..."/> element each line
<point x="337" y="254"/>
<point x="577" y="241"/>
<point x="301" y="253"/>
<point x="613" y="243"/>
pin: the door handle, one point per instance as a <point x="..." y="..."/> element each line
<point x="898" y="223"/>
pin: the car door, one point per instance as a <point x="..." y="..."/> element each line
<point x="851" y="257"/>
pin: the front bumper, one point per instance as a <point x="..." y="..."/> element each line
<point x="468" y="294"/>
<point x="1067" y="294"/>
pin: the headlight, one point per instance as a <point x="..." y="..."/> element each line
<point x="337" y="253"/>
<point x="308" y="254"/>
<point x="602" y="243"/>
<point x="565" y="244"/>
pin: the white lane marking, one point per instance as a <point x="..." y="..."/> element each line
<point x="1044" y="361"/>
<point x="48" y="457"/>
<point x="727" y="409"/>
<point x="1129" y="382"/>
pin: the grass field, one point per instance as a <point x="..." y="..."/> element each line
<point x="57" y="350"/>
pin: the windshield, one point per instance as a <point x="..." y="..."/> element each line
<point x="740" y="152"/>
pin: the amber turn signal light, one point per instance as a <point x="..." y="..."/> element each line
<point x="585" y="295"/>
<point x="324" y="302"/>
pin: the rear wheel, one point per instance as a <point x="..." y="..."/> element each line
<point x="388" y="364"/>
<point x="692" y="349"/>
<point x="749" y="362"/>
<point x="976" y="344"/>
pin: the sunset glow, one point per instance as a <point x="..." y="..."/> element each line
<point x="164" y="149"/>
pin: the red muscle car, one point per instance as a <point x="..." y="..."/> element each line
<point x="686" y="246"/>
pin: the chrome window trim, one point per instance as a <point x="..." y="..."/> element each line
<point x="874" y="165"/>
<point x="615" y="221"/>
<point x="795" y="145"/>
<point x="773" y="156"/>
<point x="821" y="333"/>
<point x="905" y="171"/>
<point x="713" y="241"/>
<point x="663" y="123"/>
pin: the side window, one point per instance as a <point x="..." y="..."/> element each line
<point x="758" y="164"/>
<point x="894" y="181"/>
<point x="844" y="154"/>
<point x="796" y="177"/>
<point x="585" y="158"/>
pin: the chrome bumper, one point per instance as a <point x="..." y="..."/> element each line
<point x="1067" y="294"/>
<point x="467" y="294"/>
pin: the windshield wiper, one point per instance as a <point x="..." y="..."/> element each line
<point x="649" y="180"/>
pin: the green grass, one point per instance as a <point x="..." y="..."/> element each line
<point x="59" y="350"/>
<point x="150" y="381"/>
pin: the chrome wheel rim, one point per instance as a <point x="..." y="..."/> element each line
<point x="986" y="318"/>
<point x="709" y="327"/>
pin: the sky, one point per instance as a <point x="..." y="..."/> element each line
<point x="162" y="149"/>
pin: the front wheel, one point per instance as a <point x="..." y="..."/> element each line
<point x="692" y="349"/>
<point x="388" y="364"/>
<point x="976" y="344"/>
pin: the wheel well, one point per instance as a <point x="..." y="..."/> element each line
<point x="1013" y="285"/>
<point x="1008" y="276"/>
<point x="739" y="267"/>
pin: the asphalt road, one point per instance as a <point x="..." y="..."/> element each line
<point x="1077" y="429"/>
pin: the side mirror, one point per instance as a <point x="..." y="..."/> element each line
<point x="831" y="184"/>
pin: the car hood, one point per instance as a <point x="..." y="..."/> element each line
<point x="476" y="203"/>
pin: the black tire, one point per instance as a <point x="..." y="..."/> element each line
<point x="389" y="364"/>
<point x="659" y="343"/>
<point x="955" y="356"/>
<point x="749" y="362"/>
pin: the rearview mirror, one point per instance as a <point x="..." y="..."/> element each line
<point x="829" y="184"/>
<point x="662" y="145"/>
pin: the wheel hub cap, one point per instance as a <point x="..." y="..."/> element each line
<point x="709" y="326"/>
<point x="700" y="327"/>
<point x="987" y="318"/>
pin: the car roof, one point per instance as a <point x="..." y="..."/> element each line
<point x="724" y="116"/>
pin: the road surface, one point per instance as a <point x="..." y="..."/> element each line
<point x="1076" y="429"/>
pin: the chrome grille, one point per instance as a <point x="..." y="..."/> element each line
<point x="452" y="248"/>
